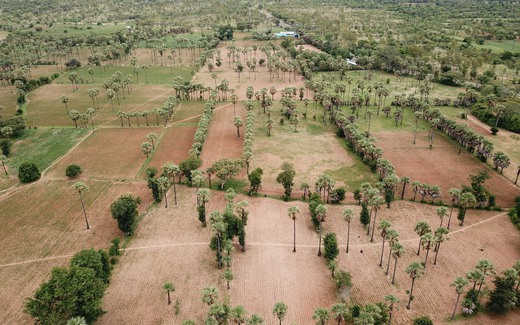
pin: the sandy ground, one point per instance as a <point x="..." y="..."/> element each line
<point x="108" y="153"/>
<point x="441" y="166"/>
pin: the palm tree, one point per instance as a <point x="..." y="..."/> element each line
<point x="321" y="315"/>
<point x="280" y="310"/>
<point x="82" y="188"/>
<point x="146" y="148"/>
<point x="228" y="276"/>
<point x="369" y="114"/>
<point x="421" y="228"/>
<point x="237" y="315"/>
<point x="74" y="116"/>
<point x="255" y="320"/>
<point x="393" y="237"/>
<point x="292" y="211"/>
<point x="164" y="183"/>
<point x="416" y="117"/>
<point x="340" y="311"/>
<point x="442" y="212"/>
<point x="455" y="195"/>
<point x="414" y="270"/>
<point x="168" y="287"/>
<point x="4" y="160"/>
<point x="321" y="215"/>
<point x="152" y="137"/>
<point x="237" y="121"/>
<point x="347" y="216"/>
<point x="384" y="225"/>
<point x="405" y="180"/>
<point x="487" y="268"/>
<point x="234" y="100"/>
<point x="459" y="285"/>
<point x="203" y="196"/>
<point x="171" y="171"/>
<point x="427" y="241"/>
<point x="465" y="200"/>
<point x="391" y="300"/>
<point x="218" y="227"/>
<point x="440" y="237"/>
<point x="90" y="113"/>
<point x="64" y="99"/>
<point x="398" y="251"/>
<point x="209" y="295"/>
<point x="376" y="202"/>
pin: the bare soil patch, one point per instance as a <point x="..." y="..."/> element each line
<point x="441" y="166"/>
<point x="308" y="47"/>
<point x="108" y="153"/>
<point x="8" y="101"/>
<point x="45" y="221"/>
<point x="145" y="56"/>
<point x="174" y="145"/>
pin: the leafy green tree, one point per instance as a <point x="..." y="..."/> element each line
<point x="255" y="180"/>
<point x="503" y="298"/>
<point x="293" y="211"/>
<point x="225" y="169"/>
<point x="168" y="287"/>
<point x="73" y="171"/>
<point x="347" y="216"/>
<point x="342" y="279"/>
<point x="459" y="285"/>
<point x="341" y="312"/>
<point x="76" y="292"/>
<point x="82" y="188"/>
<point x="98" y="261"/>
<point x="280" y="310"/>
<point x="414" y="270"/>
<point x="330" y="245"/>
<point x="28" y="172"/>
<point x="209" y="295"/>
<point x="286" y="178"/>
<point x="364" y="217"/>
<point x="321" y="315"/>
<point x="228" y="276"/>
<point x="191" y="163"/>
<point x="125" y="211"/>
<point x="321" y="215"/>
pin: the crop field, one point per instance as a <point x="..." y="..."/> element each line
<point x="8" y="101"/>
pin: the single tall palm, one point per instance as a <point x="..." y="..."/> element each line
<point x="376" y="202"/>
<point x="441" y="235"/>
<point x="347" y="216"/>
<point x="82" y="188"/>
<point x="421" y="228"/>
<point x="393" y="237"/>
<point x="228" y="276"/>
<point x="164" y="183"/>
<point x="415" y="271"/>
<point x="203" y="196"/>
<point x="398" y="251"/>
<point x="321" y="315"/>
<point x="442" y="212"/>
<point x="455" y="195"/>
<point x="280" y="310"/>
<point x="384" y="226"/>
<point x="391" y="301"/>
<point x="168" y="287"/>
<point x="293" y="211"/>
<point x="427" y="240"/>
<point x="459" y="285"/>
<point x="321" y="215"/>
<point x="209" y="295"/>
<point x="341" y="312"/>
<point x="64" y="99"/>
<point x="487" y="268"/>
<point x="171" y="171"/>
<point x="237" y="121"/>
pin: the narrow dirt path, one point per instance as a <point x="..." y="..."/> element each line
<point x="174" y="245"/>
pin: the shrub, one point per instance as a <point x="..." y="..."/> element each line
<point x="338" y="195"/>
<point x="5" y="145"/>
<point x="342" y="279"/>
<point x="494" y="130"/>
<point x="330" y="243"/>
<point x="124" y="210"/>
<point x="422" y="320"/>
<point x="73" y="171"/>
<point x="28" y="172"/>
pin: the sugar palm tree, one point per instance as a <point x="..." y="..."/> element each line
<point x="280" y="310"/>
<point x="4" y="160"/>
<point x="255" y="320"/>
<point x="465" y="200"/>
<point x="475" y="276"/>
<point x="228" y="276"/>
<point x="321" y="215"/>
<point x="487" y="268"/>
<point x="203" y="196"/>
<point x="384" y="226"/>
<point x="164" y="183"/>
<point x="393" y="237"/>
<point x="168" y="287"/>
<point x="146" y="148"/>
<point x="171" y="171"/>
<point x="152" y="137"/>
<point x="64" y="99"/>
<point x="459" y="285"/>
<point x="397" y="252"/>
<point x="376" y="202"/>
<point x="237" y="315"/>
<point x="455" y="195"/>
<point x="405" y="180"/>
<point x="82" y="188"/>
<point x="421" y="228"/>
<point x="341" y="312"/>
<point x="237" y="121"/>
<point x="441" y="235"/>
<point x="347" y="216"/>
<point x="209" y="295"/>
<point x="218" y="227"/>
<point x="321" y="315"/>
<point x="293" y="211"/>
<point x="442" y="212"/>
<point x="427" y="240"/>
<point x="391" y="300"/>
<point x="415" y="271"/>
<point x="234" y="100"/>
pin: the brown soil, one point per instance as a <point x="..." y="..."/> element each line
<point x="46" y="228"/>
<point x="441" y="166"/>
<point x="108" y="153"/>
<point x="174" y="145"/>
<point x="308" y="47"/>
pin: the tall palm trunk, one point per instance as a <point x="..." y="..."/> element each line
<point x="382" y="252"/>
<point x="426" y="259"/>
<point x="294" y="226"/>
<point x="411" y="294"/>
<point x="402" y="193"/>
<point x="388" y="262"/>
<point x="348" y="236"/>
<point x="436" y="253"/>
<point x="455" y="308"/>
<point x="169" y="299"/>
<point x="84" y="211"/>
<point x="174" y="193"/>
<point x="419" y="249"/>
<point x="319" y="247"/>
<point x="218" y="252"/>
<point x="374" y="226"/>
<point x="166" y="198"/>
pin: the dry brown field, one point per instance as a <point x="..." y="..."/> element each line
<point x="8" y="101"/>
<point x="174" y="146"/>
<point x="108" y="154"/>
<point x="46" y="228"/>
<point x="441" y="166"/>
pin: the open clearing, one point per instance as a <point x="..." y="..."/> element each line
<point x="48" y="224"/>
<point x="107" y="153"/>
<point x="441" y="166"/>
<point x="171" y="245"/>
<point x="8" y="101"/>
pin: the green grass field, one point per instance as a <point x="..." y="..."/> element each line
<point x="43" y="146"/>
<point x="500" y="46"/>
<point x="154" y="75"/>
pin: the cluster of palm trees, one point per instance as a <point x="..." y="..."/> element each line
<point x="202" y="128"/>
<point x="116" y="83"/>
<point x="248" y="140"/>
<point x="150" y="145"/>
